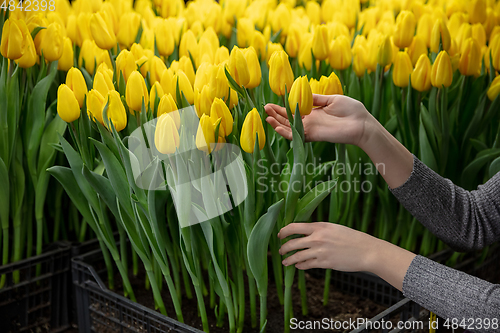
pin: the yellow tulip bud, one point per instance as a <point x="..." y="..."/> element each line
<point x="233" y="99"/>
<point x="281" y="19"/>
<point x="405" y="29"/>
<point x="136" y="92"/>
<point x="52" y="43"/>
<point x="421" y="76"/>
<point x="455" y="22"/>
<point x="477" y="11"/>
<point x="305" y="55"/>
<point x="470" y="60"/>
<point x="384" y="54"/>
<point x="165" y="41"/>
<point x="76" y="82"/>
<point x="116" y="111"/>
<point x="210" y="35"/>
<point x="479" y="34"/>
<point x="82" y="28"/>
<point x="156" y="69"/>
<point x="12" y="45"/>
<point x="252" y="126"/>
<point x="187" y="67"/>
<point x="440" y="35"/>
<point x="238" y="67"/>
<point x="442" y="74"/>
<point x="330" y="85"/>
<point x="156" y="91"/>
<point x="402" y="69"/>
<point x="244" y="32"/>
<point x="494" y="89"/>
<point x="280" y="73"/>
<point x="416" y="49"/>
<point x="221" y="55"/>
<point x="341" y="54"/>
<point x="184" y="86"/>
<point x="29" y="57"/>
<point x="167" y="105"/>
<point x="129" y="26"/>
<point x="358" y="60"/>
<point x="253" y="67"/>
<point x="495" y="52"/>
<point x="67" y="104"/>
<point x="424" y="28"/>
<point x="464" y="33"/>
<point x="315" y="88"/>
<point x="202" y="76"/>
<point x="313" y="11"/>
<point x="301" y="96"/>
<point x="203" y="101"/>
<point x="259" y="44"/>
<point x="125" y="64"/>
<point x="219" y="87"/>
<point x="320" y="43"/>
<point x="95" y="105"/>
<point x="292" y="45"/>
<point x="207" y="52"/>
<point x="167" y="82"/>
<point x="67" y="58"/>
<point x="188" y="45"/>
<point x="103" y="83"/>
<point x="88" y="56"/>
<point x="205" y="136"/>
<point x="167" y="139"/>
<point x="102" y="30"/>
<point x="219" y="110"/>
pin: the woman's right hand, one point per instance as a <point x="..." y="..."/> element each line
<point x="336" y="118"/>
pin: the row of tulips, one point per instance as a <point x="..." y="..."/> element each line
<point x="144" y="74"/>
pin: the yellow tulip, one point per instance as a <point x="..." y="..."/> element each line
<point x="233" y="99"/>
<point x="103" y="83"/>
<point x="219" y="110"/>
<point x="187" y="67"/>
<point x="206" y="52"/>
<point x="281" y="19"/>
<point x="156" y="91"/>
<point x="416" y="49"/>
<point x="210" y="35"/>
<point x="253" y="67"/>
<point x="102" y="30"/>
<point x="470" y="60"/>
<point x="402" y="69"/>
<point x="29" y="57"/>
<point x="219" y="87"/>
<point x="301" y="96"/>
<point x="76" y="82"/>
<point x="82" y="28"/>
<point x="167" y="82"/>
<point x="52" y="43"/>
<point x="479" y="34"/>
<point x="252" y="126"/>
<point x="88" y="56"/>
<point x="116" y="111"/>
<point x="167" y="105"/>
<point x="12" y="45"/>
<point x="238" y="67"/>
<point x="495" y="52"/>
<point x="494" y="89"/>
<point x="440" y="35"/>
<point x="221" y="55"/>
<point x="455" y="22"/>
<point x="280" y="73"/>
<point x="67" y="104"/>
<point x="67" y="58"/>
<point x="464" y="33"/>
<point x="405" y="29"/>
<point x="384" y="54"/>
<point x="156" y="69"/>
<point x="305" y="55"/>
<point x="167" y="139"/>
<point x="202" y="76"/>
<point x="424" y="28"/>
<point x="95" y="105"/>
<point x="136" y="92"/>
<point x="188" y="45"/>
<point x="442" y="74"/>
<point x="129" y="26"/>
<point x="330" y="85"/>
<point x="292" y="45"/>
<point x="320" y="43"/>
<point x="184" y="86"/>
<point x="125" y="64"/>
<point x="165" y="41"/>
<point x="421" y="76"/>
<point x="271" y="49"/>
<point x="341" y="54"/>
<point x="244" y="32"/>
<point x="477" y="11"/>
<point x="203" y="101"/>
<point x="315" y="88"/>
<point x="205" y="136"/>
<point x="358" y="60"/>
<point x="259" y="44"/>
<point x="313" y="11"/>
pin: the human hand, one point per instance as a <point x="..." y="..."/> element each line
<point x="328" y="245"/>
<point x="337" y="118"/>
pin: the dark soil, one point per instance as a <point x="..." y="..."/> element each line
<point x="342" y="307"/>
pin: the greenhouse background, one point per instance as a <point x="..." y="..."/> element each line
<point x="142" y="189"/>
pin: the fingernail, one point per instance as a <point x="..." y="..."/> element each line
<point x="285" y="263"/>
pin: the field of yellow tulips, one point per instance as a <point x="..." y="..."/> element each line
<point x="119" y="115"/>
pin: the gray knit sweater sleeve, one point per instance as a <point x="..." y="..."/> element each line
<point x="465" y="221"/>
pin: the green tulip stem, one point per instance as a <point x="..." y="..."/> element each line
<point x="303" y="292"/>
<point x="253" y="306"/>
<point x="289" y="275"/>
<point x="263" y="311"/>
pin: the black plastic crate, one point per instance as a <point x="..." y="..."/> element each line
<point x="38" y="303"/>
<point x="98" y="307"/>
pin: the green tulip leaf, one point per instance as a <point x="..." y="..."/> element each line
<point x="494" y="167"/>
<point x="470" y="173"/>
<point x="309" y="202"/>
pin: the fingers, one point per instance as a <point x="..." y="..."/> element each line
<point x="299" y="257"/>
<point x="322" y="100"/>
<point x="278" y="113"/>
<point x="294" y="244"/>
<point x="308" y="264"/>
<point x="296" y="229"/>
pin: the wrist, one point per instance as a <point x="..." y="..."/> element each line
<point x="372" y="133"/>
